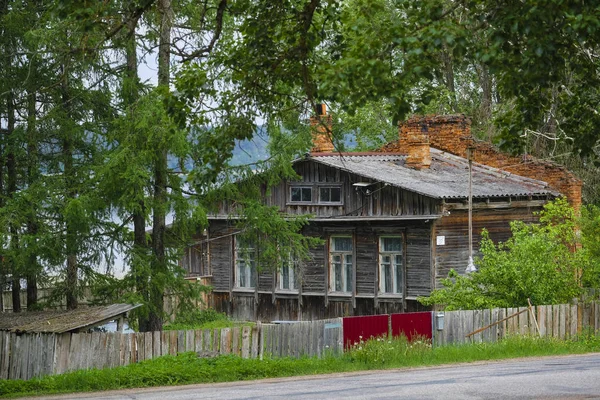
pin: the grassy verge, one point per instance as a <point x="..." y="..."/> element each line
<point x="203" y="319"/>
<point x="374" y="354"/>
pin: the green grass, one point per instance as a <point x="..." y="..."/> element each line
<point x="375" y="354"/>
<point x="203" y="319"/>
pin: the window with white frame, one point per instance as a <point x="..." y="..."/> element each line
<point x="245" y="263"/>
<point x="341" y="262"/>
<point x="287" y="275"/>
<point x="391" y="274"/>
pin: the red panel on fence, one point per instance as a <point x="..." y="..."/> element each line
<point x="365" y="327"/>
<point x="412" y="324"/>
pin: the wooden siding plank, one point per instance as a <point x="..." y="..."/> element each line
<point x="156" y="344"/>
<point x="206" y="336"/>
<point x="235" y="340"/>
<point x="181" y="346"/>
<point x="225" y="345"/>
<point x="556" y="321"/>
<point x="199" y="340"/>
<point x="190" y="340"/>
<point x="541" y="318"/>
<point x="246" y="331"/>
<point x="573" y="319"/>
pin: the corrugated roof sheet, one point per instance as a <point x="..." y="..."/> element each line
<point x="447" y="177"/>
<point x="63" y="320"/>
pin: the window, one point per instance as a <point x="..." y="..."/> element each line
<point x="390" y="264"/>
<point x="287" y="275"/>
<point x="193" y="260"/>
<point x="341" y="263"/>
<point x="330" y="194"/>
<point x="301" y="194"/>
<point x="245" y="264"/>
<point x="317" y="193"/>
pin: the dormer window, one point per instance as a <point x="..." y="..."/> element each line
<point x="330" y="194"/>
<point x="301" y="194"/>
<point x="315" y="194"/>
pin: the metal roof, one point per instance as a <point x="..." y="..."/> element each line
<point x="446" y="178"/>
<point x="63" y="320"/>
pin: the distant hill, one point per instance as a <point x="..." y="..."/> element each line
<point x="251" y="151"/>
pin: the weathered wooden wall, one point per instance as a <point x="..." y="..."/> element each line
<point x="315" y="292"/>
<point x="287" y="308"/>
<point x="221" y="254"/>
<point x="27" y="356"/>
<point x="385" y="201"/>
<point x="454" y="227"/>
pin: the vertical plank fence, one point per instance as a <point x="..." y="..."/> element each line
<point x="298" y="339"/>
<point x="25" y="356"/>
<point x="560" y="321"/>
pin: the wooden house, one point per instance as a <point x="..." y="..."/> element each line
<point x="394" y="222"/>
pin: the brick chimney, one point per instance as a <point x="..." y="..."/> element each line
<point x="321" y="130"/>
<point x="416" y="140"/>
<point x="451" y="133"/>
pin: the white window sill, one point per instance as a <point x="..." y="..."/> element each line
<point x="390" y="295"/>
<point x="286" y="291"/>
<point x="243" y="290"/>
<point x="340" y="294"/>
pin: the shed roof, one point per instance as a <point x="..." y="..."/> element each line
<point x="447" y="177"/>
<point x="61" y="321"/>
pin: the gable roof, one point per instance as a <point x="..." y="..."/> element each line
<point x="447" y="177"/>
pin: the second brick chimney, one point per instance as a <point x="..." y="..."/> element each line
<point x="320" y="124"/>
<point x="452" y="133"/>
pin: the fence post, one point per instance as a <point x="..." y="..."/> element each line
<point x="259" y="341"/>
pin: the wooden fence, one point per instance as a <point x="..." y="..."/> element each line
<point x="310" y="338"/>
<point x="32" y="355"/>
<point x="559" y="321"/>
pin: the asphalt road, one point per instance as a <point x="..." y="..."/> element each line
<point x="565" y="377"/>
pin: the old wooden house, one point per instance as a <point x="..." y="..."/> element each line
<point x="394" y="222"/>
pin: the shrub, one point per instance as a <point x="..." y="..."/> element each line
<point x="198" y="318"/>
<point x="539" y="262"/>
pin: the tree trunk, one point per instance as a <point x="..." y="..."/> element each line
<point x="32" y="269"/>
<point x="131" y="89"/>
<point x="485" y="81"/>
<point x="159" y="262"/>
<point x="11" y="167"/>
<point x="70" y="193"/>
<point x="449" y="76"/>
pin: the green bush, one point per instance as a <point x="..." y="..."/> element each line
<point x="539" y="262"/>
